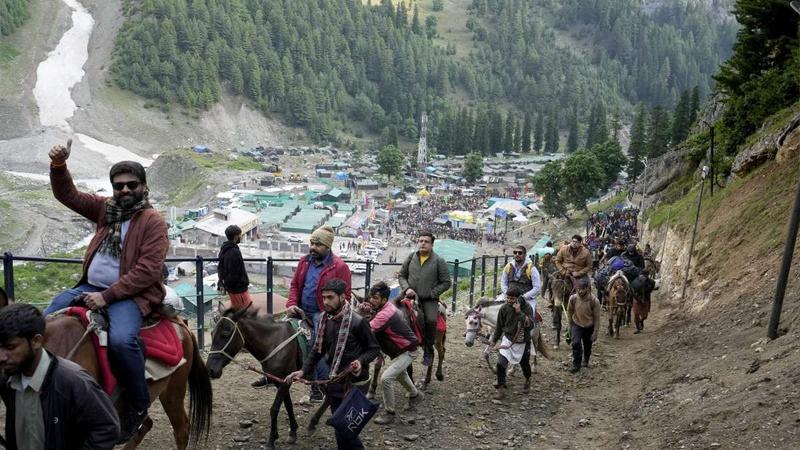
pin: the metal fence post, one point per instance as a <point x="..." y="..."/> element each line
<point x="786" y="265"/>
<point x="472" y="283"/>
<point x="270" y="285"/>
<point x="483" y="275"/>
<point x="505" y="260"/>
<point x="694" y="232"/>
<point x="367" y="279"/>
<point x="201" y="306"/>
<point x="8" y="274"/>
<point x="494" y="287"/>
<point x="455" y="285"/>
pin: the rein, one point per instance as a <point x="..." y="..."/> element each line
<point x="236" y="330"/>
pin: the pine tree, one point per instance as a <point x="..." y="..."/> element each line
<point x="538" y="134"/>
<point x="572" y="140"/>
<point x="508" y="136"/>
<point x="517" y="138"/>
<point x="658" y="132"/>
<point x="680" y="119"/>
<point x="552" y="144"/>
<point x="694" y="106"/>
<point x="416" y="28"/>
<point x="526" y="134"/>
<point x="637" y="147"/>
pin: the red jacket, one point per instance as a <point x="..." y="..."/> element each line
<point x="146" y="244"/>
<point x="337" y="269"/>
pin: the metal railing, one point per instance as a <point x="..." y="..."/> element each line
<point x="463" y="291"/>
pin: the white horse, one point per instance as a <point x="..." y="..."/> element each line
<point x="486" y="311"/>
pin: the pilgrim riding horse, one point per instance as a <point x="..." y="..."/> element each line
<point x="65" y="336"/>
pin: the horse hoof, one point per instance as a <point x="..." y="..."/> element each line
<point x="439" y="376"/>
<point x="292" y="438"/>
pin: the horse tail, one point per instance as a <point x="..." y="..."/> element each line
<point x="200" y="397"/>
<point x="538" y="343"/>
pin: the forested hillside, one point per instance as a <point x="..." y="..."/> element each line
<point x="536" y="66"/>
<point x="13" y="13"/>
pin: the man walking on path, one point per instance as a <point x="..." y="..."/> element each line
<point x="305" y="291"/>
<point x="583" y="312"/>
<point x="398" y="342"/>
<point x="121" y="269"/>
<point x="231" y="270"/>
<point x="344" y="340"/>
<point x="512" y="339"/>
<point x="424" y="275"/>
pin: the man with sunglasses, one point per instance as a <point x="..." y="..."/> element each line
<point x="121" y="269"/>
<point x="522" y="274"/>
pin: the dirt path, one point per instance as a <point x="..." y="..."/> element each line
<point x="588" y="410"/>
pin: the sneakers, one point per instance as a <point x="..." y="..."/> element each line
<point x="130" y="422"/>
<point x="385" y="418"/>
<point x="427" y="360"/>
<point x="261" y="383"/>
<point x="585" y="364"/>
<point x="317" y="393"/>
<point x="526" y="388"/>
<point x="574" y="369"/>
<point x="415" y="400"/>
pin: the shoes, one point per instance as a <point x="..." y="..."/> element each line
<point x="415" y="400"/>
<point x="500" y="393"/>
<point x="317" y="394"/>
<point x="585" y="364"/>
<point x="130" y="422"/>
<point x="385" y="418"/>
<point x="526" y="388"/>
<point x="427" y="360"/>
<point x="637" y="331"/>
<point x="574" y="369"/>
<point x="261" y="383"/>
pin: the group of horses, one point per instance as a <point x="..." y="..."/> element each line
<point x="622" y="296"/>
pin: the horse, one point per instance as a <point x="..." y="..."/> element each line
<point x="619" y="296"/>
<point x="64" y="335"/>
<point x="562" y="289"/>
<point x="642" y="288"/>
<point x="651" y="266"/>
<point x="273" y="344"/>
<point x="438" y="344"/>
<point x="487" y="311"/>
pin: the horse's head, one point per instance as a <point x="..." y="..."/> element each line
<point x="472" y="321"/>
<point x="226" y="340"/>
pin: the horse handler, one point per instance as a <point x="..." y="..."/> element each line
<point x="512" y="339"/>
<point x="583" y="312"/>
<point x="346" y="342"/>
<point x="397" y="341"/>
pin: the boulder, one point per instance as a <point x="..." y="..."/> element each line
<point x="789" y="142"/>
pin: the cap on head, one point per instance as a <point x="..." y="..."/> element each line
<point x="323" y="235"/>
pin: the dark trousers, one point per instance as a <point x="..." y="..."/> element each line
<point x="525" y="364"/>
<point x="581" y="344"/>
<point x="336" y="393"/>
<point x="430" y="312"/>
<point x="124" y="350"/>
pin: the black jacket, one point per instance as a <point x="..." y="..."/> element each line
<point x="361" y="344"/>
<point x="509" y="322"/>
<point x="77" y="413"/>
<point x="231" y="271"/>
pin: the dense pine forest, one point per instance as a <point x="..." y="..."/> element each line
<point x="324" y="65"/>
<point x="13" y="13"/>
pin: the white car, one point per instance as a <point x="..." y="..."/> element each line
<point x="378" y="243"/>
<point x="295" y="238"/>
<point x="358" y="268"/>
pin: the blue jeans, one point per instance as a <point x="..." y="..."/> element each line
<point x="124" y="350"/>
<point x="322" y="370"/>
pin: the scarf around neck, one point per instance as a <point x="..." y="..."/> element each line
<point x="345" y="315"/>
<point x="115" y="216"/>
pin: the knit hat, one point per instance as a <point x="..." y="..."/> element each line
<point x="323" y="235"/>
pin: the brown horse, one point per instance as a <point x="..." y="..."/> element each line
<point x="651" y="266"/>
<point x="272" y="343"/>
<point x="619" y="296"/>
<point x="64" y="333"/>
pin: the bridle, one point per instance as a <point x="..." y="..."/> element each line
<point x="236" y="330"/>
<point x="224" y="350"/>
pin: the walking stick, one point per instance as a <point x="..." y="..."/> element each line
<point x="568" y="333"/>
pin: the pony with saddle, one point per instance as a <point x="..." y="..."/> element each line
<point x="277" y="345"/>
<point x="486" y="312"/>
<point x="77" y="337"/>
<point x="619" y="296"/>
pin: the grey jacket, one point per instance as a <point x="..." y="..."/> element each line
<point x="429" y="281"/>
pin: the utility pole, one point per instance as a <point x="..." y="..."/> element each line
<point x="788" y="252"/>
<point x="703" y="175"/>
<point x="713" y="169"/>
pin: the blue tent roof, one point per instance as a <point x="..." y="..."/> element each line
<point x="200" y="149"/>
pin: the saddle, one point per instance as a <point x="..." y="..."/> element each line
<point x="162" y="345"/>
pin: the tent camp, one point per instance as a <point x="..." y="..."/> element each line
<point x="452" y="250"/>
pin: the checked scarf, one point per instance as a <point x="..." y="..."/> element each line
<point x="345" y="315"/>
<point x="115" y="216"/>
